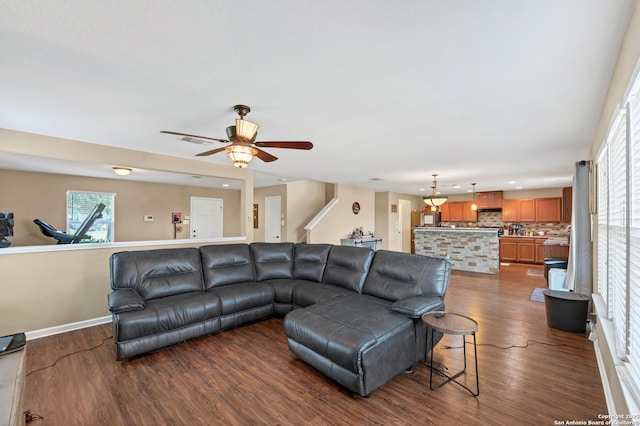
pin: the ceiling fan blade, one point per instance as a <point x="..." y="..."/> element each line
<point x="194" y="136"/>
<point x="265" y="156"/>
<point x="213" y="151"/>
<point x="281" y="144"/>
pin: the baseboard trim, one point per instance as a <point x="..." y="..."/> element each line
<point x="44" y="332"/>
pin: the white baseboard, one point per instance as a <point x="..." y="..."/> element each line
<point x="36" y="334"/>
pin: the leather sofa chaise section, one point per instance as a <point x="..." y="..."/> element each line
<point x="351" y="313"/>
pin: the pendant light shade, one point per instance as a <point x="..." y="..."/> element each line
<point x="435" y="200"/>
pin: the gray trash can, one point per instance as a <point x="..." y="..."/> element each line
<point x="566" y="310"/>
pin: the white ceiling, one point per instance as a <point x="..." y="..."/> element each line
<point x="476" y="91"/>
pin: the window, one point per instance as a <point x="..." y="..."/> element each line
<point x="618" y="252"/>
<point x="80" y="205"/>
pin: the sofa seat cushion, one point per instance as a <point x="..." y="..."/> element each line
<point x="166" y="314"/>
<point x="344" y="329"/>
<point x="307" y="293"/>
<point x="243" y="296"/>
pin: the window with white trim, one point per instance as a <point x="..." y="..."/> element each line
<point x="79" y="207"/>
<point x="618" y="238"/>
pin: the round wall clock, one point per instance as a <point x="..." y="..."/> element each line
<point x="355" y="207"/>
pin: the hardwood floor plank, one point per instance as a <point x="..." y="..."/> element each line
<point x="248" y="376"/>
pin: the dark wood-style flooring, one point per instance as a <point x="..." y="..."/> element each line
<point x="247" y="376"/>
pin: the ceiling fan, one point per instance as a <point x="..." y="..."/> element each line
<point x="242" y="137"/>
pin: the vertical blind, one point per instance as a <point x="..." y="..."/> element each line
<point x="618" y="253"/>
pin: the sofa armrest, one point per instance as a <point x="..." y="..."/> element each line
<point x="124" y="300"/>
<point x="415" y="307"/>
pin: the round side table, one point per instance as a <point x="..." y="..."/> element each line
<point x="451" y="323"/>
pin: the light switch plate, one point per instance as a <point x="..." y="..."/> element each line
<point x="148" y="218"/>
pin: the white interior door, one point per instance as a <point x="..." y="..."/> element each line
<point x="272" y="219"/>
<point x="206" y="217"/>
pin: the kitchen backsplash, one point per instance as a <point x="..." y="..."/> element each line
<point x="494" y="219"/>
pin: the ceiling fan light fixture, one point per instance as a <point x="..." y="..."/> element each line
<point x="246" y="129"/>
<point x="122" y="171"/>
<point x="241" y="155"/>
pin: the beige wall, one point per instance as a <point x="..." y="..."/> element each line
<point x="387" y="222"/>
<point x="305" y="199"/>
<point x="340" y="220"/>
<point x="628" y="59"/>
<point x="259" y="195"/>
<point x="52" y="288"/>
<point x="40" y="146"/>
<point x="32" y="195"/>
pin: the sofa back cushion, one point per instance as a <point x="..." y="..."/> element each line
<point x="348" y="267"/>
<point x="396" y="276"/>
<point x="226" y="264"/>
<point x="272" y="260"/>
<point x="310" y="261"/>
<point x="157" y="273"/>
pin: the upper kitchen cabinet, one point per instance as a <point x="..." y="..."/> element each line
<point x="458" y="211"/>
<point x="444" y="213"/>
<point x="522" y="210"/>
<point x="549" y="209"/>
<point x="468" y="214"/>
<point x="567" y="200"/>
<point x="489" y="200"/>
<point x="455" y="211"/>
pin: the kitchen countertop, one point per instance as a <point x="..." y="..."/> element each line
<point x="447" y="229"/>
<point x="557" y="241"/>
<point x="525" y="236"/>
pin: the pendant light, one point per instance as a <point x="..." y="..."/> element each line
<point x="435" y="200"/>
<point x="474" y="206"/>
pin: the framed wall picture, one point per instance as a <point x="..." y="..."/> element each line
<point x="255" y="216"/>
<point x="355" y="207"/>
<point x="394" y="208"/>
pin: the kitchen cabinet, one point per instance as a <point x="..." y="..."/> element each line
<point x="444" y="213"/>
<point x="540" y="252"/>
<point x="468" y="215"/>
<point x="458" y="211"/>
<point x="567" y="201"/>
<point x="526" y="250"/>
<point x="521" y="249"/>
<point x="527" y="210"/>
<point x="489" y="200"/>
<point x="508" y="250"/>
<point x="548" y="209"/>
<point x="455" y="211"/>
<point x="519" y="210"/>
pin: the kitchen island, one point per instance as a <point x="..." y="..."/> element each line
<point x="468" y="249"/>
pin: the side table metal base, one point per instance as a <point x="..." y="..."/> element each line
<point x="452" y="377"/>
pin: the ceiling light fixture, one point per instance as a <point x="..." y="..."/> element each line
<point x="122" y="171"/>
<point x="241" y="154"/>
<point x="435" y="200"/>
<point x="474" y="206"/>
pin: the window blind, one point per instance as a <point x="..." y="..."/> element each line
<point x="633" y="110"/>
<point x="602" y="171"/>
<point x="617" y="231"/>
